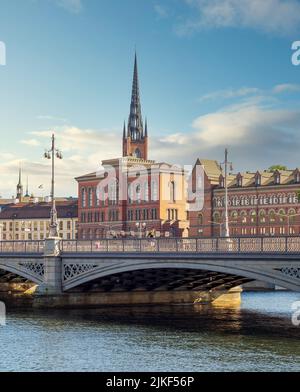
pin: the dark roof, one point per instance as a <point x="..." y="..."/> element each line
<point x="65" y="209"/>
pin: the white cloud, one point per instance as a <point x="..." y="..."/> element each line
<point x="270" y="16"/>
<point x="83" y="151"/>
<point x="161" y="11"/>
<point x="286" y="88"/>
<point x="250" y="93"/>
<point x="256" y="134"/>
<point x="51" y="118"/>
<point x="30" y="142"/>
<point x="230" y="93"/>
<point x="73" y="6"/>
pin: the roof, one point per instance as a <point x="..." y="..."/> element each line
<point x="268" y="178"/>
<point x="212" y="169"/>
<point x="65" y="209"/>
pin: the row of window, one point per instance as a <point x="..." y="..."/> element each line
<point x="114" y="215"/>
<point x="109" y="195"/>
<point x="172" y="214"/>
<point x="144" y="214"/>
<point x="33" y="226"/>
<point x="263" y="231"/>
<point x="262" y="216"/>
<point x="237" y="201"/>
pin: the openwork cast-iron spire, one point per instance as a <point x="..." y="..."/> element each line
<point x="135" y="122"/>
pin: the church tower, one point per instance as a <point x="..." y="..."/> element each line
<point x="135" y="138"/>
<point x="20" y="186"/>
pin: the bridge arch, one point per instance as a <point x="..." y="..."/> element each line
<point x="235" y="269"/>
<point x="32" y="271"/>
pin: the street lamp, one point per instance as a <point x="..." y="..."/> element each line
<point x="221" y="224"/>
<point x="51" y="154"/>
<point x="226" y="164"/>
<point x="140" y="227"/>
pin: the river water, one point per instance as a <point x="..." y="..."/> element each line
<point x="256" y="336"/>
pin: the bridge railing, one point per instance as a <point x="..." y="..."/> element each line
<point x="22" y="246"/>
<point x="164" y="245"/>
<point x="186" y="245"/>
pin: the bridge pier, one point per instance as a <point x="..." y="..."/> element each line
<point x="52" y="269"/>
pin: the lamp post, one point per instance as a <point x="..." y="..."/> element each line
<point x="140" y="227"/>
<point x="226" y="164"/>
<point x="51" y="154"/>
<point x="221" y="224"/>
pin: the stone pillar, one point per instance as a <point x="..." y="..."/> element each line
<point x="52" y="268"/>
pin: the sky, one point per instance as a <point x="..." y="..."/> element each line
<point x="213" y="74"/>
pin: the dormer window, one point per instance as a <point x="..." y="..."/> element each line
<point x="258" y="180"/>
<point x="221" y="181"/>
<point x="277" y="178"/>
<point x="239" y="180"/>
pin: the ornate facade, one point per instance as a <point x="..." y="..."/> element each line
<point x="132" y="196"/>
<point x="264" y="203"/>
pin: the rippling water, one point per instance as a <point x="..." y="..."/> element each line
<point x="258" y="336"/>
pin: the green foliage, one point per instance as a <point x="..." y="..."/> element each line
<point x="277" y="167"/>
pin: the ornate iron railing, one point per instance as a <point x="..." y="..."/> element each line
<point x="186" y="245"/>
<point x="163" y="245"/>
<point x="22" y="246"/>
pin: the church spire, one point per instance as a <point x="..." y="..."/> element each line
<point x="27" y="190"/>
<point x="135" y="122"/>
<point x="135" y="143"/>
<point x="20" y="186"/>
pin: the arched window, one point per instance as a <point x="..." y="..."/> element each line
<point x="154" y="190"/>
<point x="282" y="215"/>
<point x="217" y="218"/>
<point x="112" y="192"/>
<point x="244" y="217"/>
<point x="253" y="216"/>
<point x="292" y="216"/>
<point x="200" y="219"/>
<point x="138" y="194"/>
<point x="172" y="191"/>
<point x="83" y="197"/>
<point x="146" y="191"/>
<point x="90" y="197"/>
<point x="262" y="216"/>
<point x="137" y="153"/>
<point x="130" y="194"/>
<point x="272" y="216"/>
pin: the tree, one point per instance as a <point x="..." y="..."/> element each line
<point x="277" y="167"/>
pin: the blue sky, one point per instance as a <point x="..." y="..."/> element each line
<point x="213" y="74"/>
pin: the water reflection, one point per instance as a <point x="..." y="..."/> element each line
<point x="258" y="335"/>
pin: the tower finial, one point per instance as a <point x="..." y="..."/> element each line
<point x="124" y="130"/>
<point x="135" y="122"/>
<point x="146" y="127"/>
<point x="20" y="186"/>
<point x="27" y="188"/>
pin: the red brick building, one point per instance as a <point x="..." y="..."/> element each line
<point x="132" y="195"/>
<point x="264" y="203"/>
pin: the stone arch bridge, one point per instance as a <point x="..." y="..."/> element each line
<point x="152" y="265"/>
